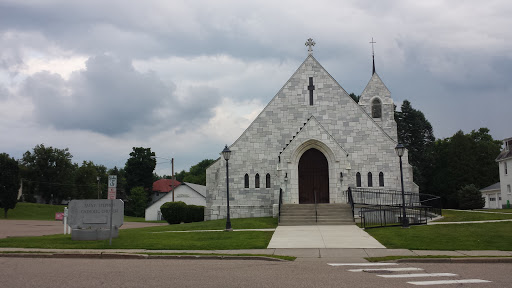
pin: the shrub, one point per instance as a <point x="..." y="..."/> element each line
<point x="470" y="198"/>
<point x="177" y="212"/>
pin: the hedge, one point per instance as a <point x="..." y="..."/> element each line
<point x="178" y="212"/>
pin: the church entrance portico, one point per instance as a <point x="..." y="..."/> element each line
<point x="313" y="177"/>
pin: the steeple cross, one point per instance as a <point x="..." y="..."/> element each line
<point x="373" y="56"/>
<point x="310" y="43"/>
<point x="372" y="42"/>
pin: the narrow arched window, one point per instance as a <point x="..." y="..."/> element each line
<point x="370" y="180"/>
<point x="246" y="181"/>
<point x="257" y="181"/>
<point x="267" y="181"/>
<point x="381" y="179"/>
<point x="358" y="179"/>
<point x="376" y="108"/>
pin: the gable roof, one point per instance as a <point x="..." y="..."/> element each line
<point x="165" y="185"/>
<point x="344" y="93"/>
<point x="495" y="186"/>
<point x="201" y="189"/>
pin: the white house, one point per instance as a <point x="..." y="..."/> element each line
<point x="492" y="196"/>
<point x="505" y="164"/>
<point x="192" y="194"/>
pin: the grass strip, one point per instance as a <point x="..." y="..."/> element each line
<point x="481" y="236"/>
<point x="142" y="239"/>
<point x="461" y="216"/>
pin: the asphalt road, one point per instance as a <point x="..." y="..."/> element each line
<point x="40" y="272"/>
<point x="19" y="228"/>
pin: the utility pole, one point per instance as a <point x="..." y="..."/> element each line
<point x="172" y="179"/>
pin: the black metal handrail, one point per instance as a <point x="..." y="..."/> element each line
<point x="316" y="211"/>
<point x="383" y="207"/>
<point x="350" y="200"/>
<point x="280" y="203"/>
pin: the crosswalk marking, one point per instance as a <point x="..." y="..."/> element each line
<point x="411" y="275"/>
<point x="386" y="269"/>
<point x="361" y="264"/>
<point x="418" y="275"/>
<point x="441" y="282"/>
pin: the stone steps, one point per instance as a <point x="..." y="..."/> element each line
<point x="327" y="214"/>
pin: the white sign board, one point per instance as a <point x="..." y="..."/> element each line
<point x="112" y="181"/>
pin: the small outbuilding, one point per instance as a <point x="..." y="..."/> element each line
<point x="191" y="194"/>
<point x="492" y="196"/>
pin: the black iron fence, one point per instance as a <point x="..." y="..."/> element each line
<point x="382" y="207"/>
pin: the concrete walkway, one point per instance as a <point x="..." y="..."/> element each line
<point x="322" y="236"/>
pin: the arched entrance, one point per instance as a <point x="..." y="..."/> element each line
<point x="313" y="177"/>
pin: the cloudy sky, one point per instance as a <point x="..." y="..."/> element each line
<point x="187" y="77"/>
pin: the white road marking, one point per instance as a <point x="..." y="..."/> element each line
<point x="441" y="282"/>
<point x="418" y="275"/>
<point x="386" y="269"/>
<point x="361" y="264"/>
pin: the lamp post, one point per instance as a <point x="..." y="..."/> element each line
<point x="98" y="179"/>
<point x="226" y="153"/>
<point x="400" y="149"/>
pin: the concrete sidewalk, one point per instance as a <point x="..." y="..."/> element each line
<point x="322" y="236"/>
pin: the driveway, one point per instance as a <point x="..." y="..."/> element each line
<point x="21" y="228"/>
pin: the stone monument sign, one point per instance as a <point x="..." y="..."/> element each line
<point x="90" y="219"/>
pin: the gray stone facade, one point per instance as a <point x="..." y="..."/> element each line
<point x="343" y="130"/>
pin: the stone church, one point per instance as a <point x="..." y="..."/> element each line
<point x="311" y="141"/>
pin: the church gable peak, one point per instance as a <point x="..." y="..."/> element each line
<point x="312" y="130"/>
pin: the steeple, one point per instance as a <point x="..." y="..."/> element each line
<point x="373" y="56"/>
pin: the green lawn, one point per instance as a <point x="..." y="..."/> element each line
<point x="33" y="211"/>
<point x="459" y="216"/>
<point x="146" y="238"/>
<point x="484" y="236"/>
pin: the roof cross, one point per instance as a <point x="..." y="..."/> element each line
<point x="373" y="56"/>
<point x="372" y="42"/>
<point x="310" y="43"/>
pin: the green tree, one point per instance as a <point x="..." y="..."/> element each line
<point x="416" y="134"/>
<point x="461" y="160"/>
<point x="50" y="172"/>
<point x="355" y="97"/>
<point x="197" y="173"/>
<point x="9" y="182"/>
<point x="137" y="202"/>
<point x="86" y="181"/>
<point x="139" y="169"/>
<point x="470" y="198"/>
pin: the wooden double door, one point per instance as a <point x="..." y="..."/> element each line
<point x="313" y="177"/>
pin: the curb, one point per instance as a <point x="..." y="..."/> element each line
<point x="457" y="260"/>
<point x="135" y="256"/>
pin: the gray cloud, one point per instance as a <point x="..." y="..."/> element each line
<point x="111" y="97"/>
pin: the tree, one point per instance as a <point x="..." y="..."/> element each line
<point x="355" y="97"/>
<point x="197" y="173"/>
<point x="86" y="181"/>
<point x="137" y="202"/>
<point x="50" y="172"/>
<point x="461" y="160"/>
<point x="470" y="198"/>
<point x="139" y="170"/>
<point x="416" y="134"/>
<point x="9" y="182"/>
